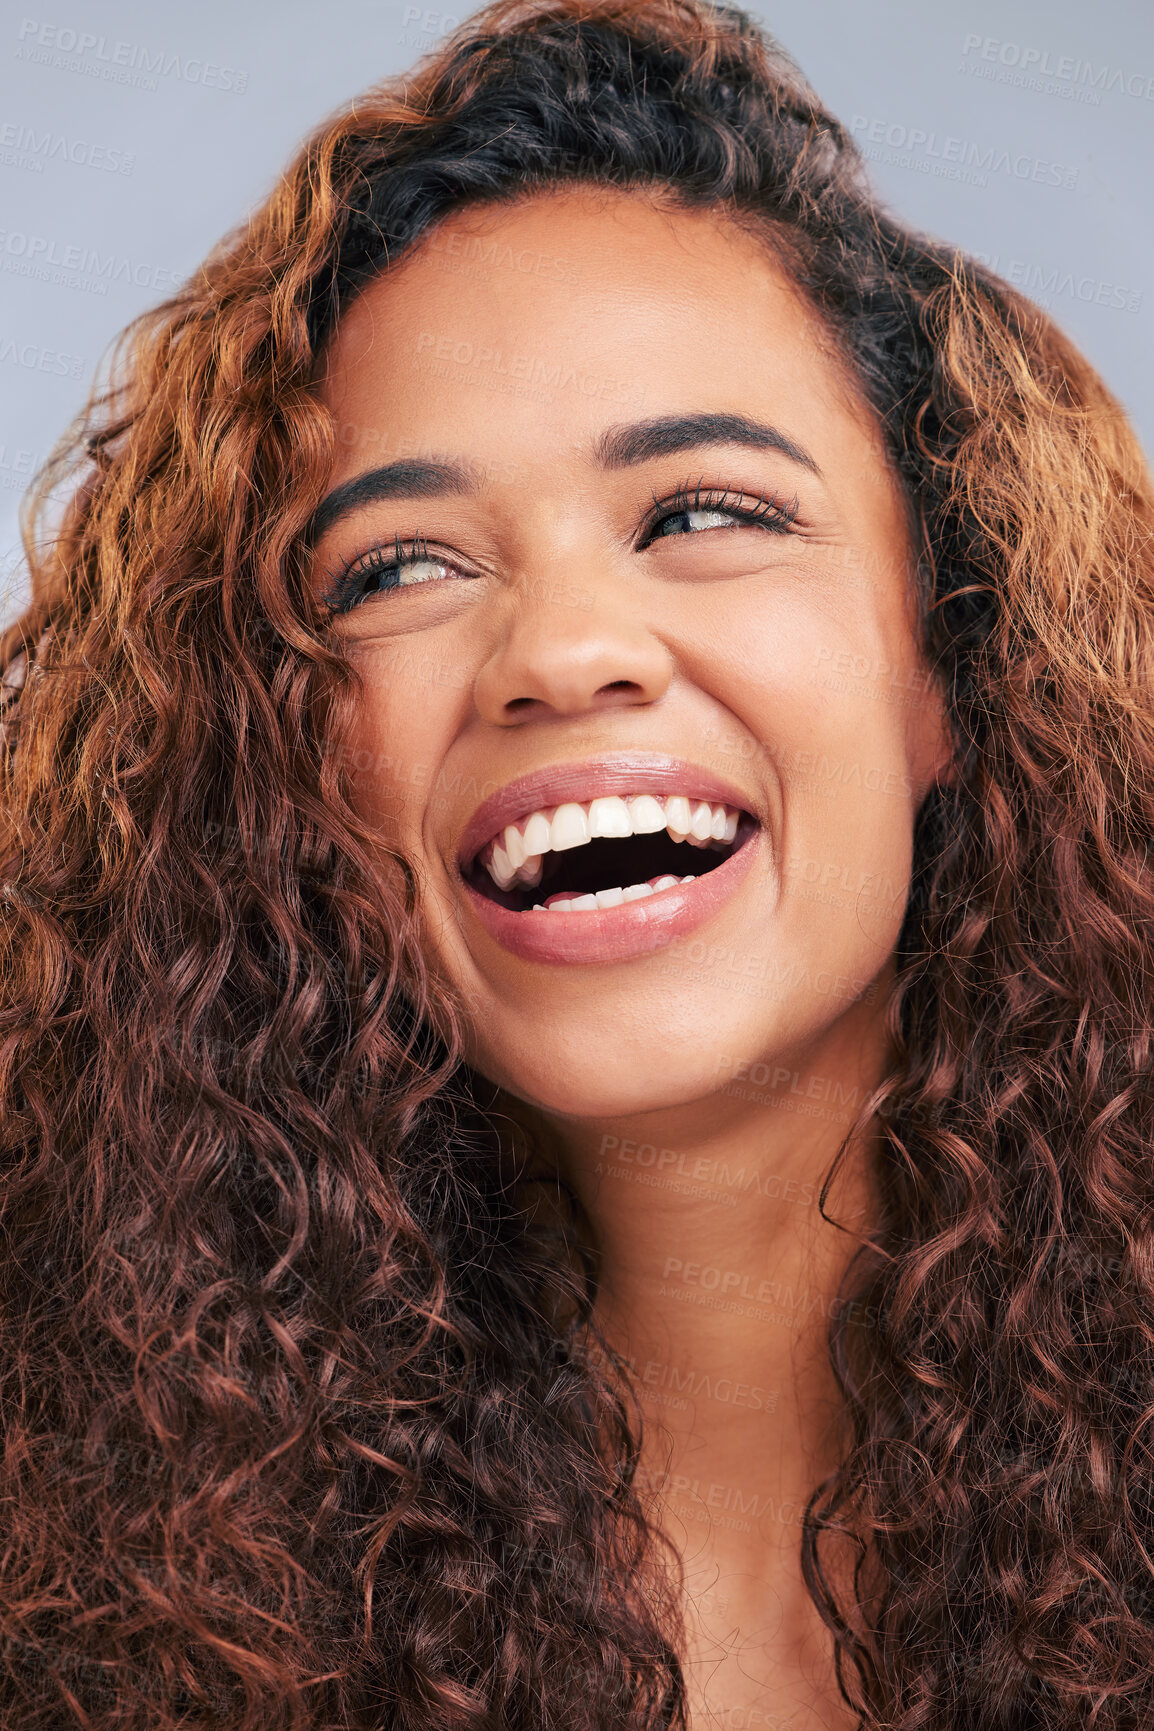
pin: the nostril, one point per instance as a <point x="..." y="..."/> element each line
<point x="616" y="687"/>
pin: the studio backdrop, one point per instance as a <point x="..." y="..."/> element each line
<point x="134" y="134"/>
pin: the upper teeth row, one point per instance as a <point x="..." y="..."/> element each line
<point x="514" y="857"/>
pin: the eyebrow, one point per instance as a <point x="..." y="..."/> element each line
<point x="619" y="447"/>
<point x="408" y="478"/>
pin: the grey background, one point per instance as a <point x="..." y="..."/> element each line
<point x="133" y="135"/>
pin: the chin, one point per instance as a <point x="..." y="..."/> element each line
<point x="582" y="1078"/>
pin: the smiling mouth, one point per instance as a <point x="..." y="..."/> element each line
<point x="577" y="858"/>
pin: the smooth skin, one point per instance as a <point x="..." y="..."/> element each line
<point x="698" y="1093"/>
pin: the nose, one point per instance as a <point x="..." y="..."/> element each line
<point x="570" y="648"/>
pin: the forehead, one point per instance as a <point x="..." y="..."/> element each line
<point x="552" y="316"/>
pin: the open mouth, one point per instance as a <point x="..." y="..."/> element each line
<point x="577" y="858"/>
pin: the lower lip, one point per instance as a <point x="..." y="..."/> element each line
<point x="615" y="934"/>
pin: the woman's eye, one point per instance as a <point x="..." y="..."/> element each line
<point x="398" y="567"/>
<point x="682" y="520"/>
<point x="419" y="571"/>
<point x="691" y="513"/>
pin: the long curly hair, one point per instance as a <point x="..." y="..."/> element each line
<point x="303" y="1422"/>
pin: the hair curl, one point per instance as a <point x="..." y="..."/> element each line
<point x="301" y="1424"/>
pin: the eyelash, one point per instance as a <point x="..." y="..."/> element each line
<point x="769" y="512"/>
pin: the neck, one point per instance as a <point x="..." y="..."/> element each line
<point x="717" y="1272"/>
<point x="717" y="1277"/>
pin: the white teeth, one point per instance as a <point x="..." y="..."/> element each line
<point x="500" y="867"/>
<point x="608" y="898"/>
<point x="648" y="814"/>
<point x="569" y="828"/>
<point x="515" y="847"/>
<point x="702" y="821"/>
<point x="538" y="835"/>
<point x="609" y="817"/>
<point x="678" y="815"/>
<point x="513" y="858"/>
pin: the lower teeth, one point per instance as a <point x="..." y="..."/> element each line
<point x="612" y="898"/>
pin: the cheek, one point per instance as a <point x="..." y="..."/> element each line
<point x="827" y="716"/>
<point x="393" y="753"/>
<point x="845" y="871"/>
<point x="826" y="696"/>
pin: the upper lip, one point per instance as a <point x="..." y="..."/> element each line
<point x="622" y="773"/>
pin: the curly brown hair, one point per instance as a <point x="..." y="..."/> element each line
<point x="303" y="1424"/>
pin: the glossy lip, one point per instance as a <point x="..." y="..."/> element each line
<point x="607" y="934"/>
<point x="623" y="772"/>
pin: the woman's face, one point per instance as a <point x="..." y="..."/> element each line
<point x="551" y="419"/>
